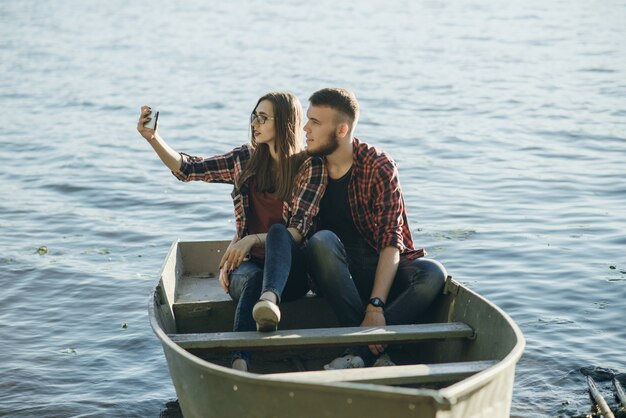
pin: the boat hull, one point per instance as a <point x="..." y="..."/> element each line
<point x="206" y="388"/>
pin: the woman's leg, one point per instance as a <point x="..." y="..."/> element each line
<point x="245" y="288"/>
<point x="283" y="271"/>
<point x="283" y="264"/>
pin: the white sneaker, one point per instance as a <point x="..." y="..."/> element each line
<point x="383" y="361"/>
<point x="240" y="364"/>
<point x="349" y="361"/>
<point x="266" y="315"/>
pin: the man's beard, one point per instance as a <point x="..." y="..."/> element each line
<point x="331" y="145"/>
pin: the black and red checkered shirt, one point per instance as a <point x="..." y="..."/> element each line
<point x="299" y="212"/>
<point x="376" y="201"/>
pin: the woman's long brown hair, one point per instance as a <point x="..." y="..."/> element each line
<point x="278" y="178"/>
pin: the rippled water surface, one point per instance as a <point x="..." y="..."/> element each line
<point x="507" y="119"/>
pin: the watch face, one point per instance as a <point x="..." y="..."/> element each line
<point x="377" y="302"/>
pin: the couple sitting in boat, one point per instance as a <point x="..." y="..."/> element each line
<point x="333" y="213"/>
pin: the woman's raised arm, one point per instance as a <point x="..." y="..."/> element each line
<point x="170" y="158"/>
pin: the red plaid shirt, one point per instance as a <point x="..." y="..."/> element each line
<point x="376" y="201"/>
<point x="299" y="212"/>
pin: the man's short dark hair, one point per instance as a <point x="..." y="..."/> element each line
<point x="339" y="99"/>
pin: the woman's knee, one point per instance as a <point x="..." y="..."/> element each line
<point x="278" y="229"/>
<point x="244" y="279"/>
<point x="277" y="239"/>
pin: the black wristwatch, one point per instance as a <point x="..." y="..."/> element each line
<point x="377" y="302"/>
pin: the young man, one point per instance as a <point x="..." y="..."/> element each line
<point x="362" y="257"/>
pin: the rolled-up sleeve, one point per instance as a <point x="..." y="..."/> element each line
<point x="217" y="169"/>
<point x="388" y="208"/>
<point x="308" y="189"/>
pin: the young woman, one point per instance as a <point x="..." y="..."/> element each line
<point x="276" y="194"/>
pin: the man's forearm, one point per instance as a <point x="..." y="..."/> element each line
<point x="388" y="261"/>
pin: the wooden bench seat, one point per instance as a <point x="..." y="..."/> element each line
<point x="323" y="337"/>
<point x="391" y="375"/>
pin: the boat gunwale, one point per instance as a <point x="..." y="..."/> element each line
<point x="471" y="383"/>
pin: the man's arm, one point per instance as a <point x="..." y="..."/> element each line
<point x="387" y="209"/>
<point x="308" y="189"/>
<point x="388" y="261"/>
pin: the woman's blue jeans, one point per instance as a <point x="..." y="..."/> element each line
<point x="345" y="277"/>
<point x="284" y="274"/>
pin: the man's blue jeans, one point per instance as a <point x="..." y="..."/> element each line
<point x="284" y="274"/>
<point x="345" y="277"/>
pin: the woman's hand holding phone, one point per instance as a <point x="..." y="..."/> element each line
<point x="148" y="122"/>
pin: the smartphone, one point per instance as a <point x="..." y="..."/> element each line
<point x="151" y="124"/>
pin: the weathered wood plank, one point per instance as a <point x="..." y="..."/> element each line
<point x="621" y="395"/>
<point x="324" y="336"/>
<point x="391" y="375"/>
<point x="600" y="401"/>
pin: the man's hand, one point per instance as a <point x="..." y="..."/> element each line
<point x="144" y="117"/>
<point x="237" y="252"/>
<point x="374" y="317"/>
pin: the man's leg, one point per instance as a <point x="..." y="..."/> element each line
<point x="331" y="266"/>
<point x="416" y="285"/>
<point x="328" y="265"/>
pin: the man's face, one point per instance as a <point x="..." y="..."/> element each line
<point x="321" y="131"/>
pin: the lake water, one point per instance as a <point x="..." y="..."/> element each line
<point x="507" y="120"/>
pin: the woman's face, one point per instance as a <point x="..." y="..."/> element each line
<point x="263" y="123"/>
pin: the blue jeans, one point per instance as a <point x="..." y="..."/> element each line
<point x="344" y="275"/>
<point x="284" y="274"/>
